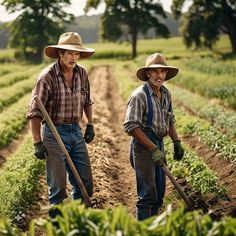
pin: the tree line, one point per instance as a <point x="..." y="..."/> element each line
<point x="40" y="22"/>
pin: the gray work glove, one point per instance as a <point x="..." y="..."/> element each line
<point x="40" y="151"/>
<point x="178" y="150"/>
<point x="89" y="133"/>
<point x="158" y="157"/>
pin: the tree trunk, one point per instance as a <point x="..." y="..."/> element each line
<point x="134" y="44"/>
<point x="231" y="32"/>
<point x="39" y="53"/>
<point x="229" y="22"/>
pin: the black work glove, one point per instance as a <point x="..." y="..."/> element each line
<point x="89" y="133"/>
<point x="178" y="150"/>
<point x="158" y="157"/>
<point x="40" y="151"/>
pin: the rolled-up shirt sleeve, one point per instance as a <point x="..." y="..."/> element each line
<point x="88" y="100"/>
<point x="134" y="115"/>
<point x="172" y="115"/>
<point x="41" y="89"/>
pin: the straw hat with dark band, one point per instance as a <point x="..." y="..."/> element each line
<point x="69" y="41"/>
<point x="156" y="60"/>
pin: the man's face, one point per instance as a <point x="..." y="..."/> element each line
<point x="157" y="76"/>
<point x="69" y="58"/>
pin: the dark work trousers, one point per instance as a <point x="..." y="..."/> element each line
<point x="150" y="178"/>
<point x="57" y="166"/>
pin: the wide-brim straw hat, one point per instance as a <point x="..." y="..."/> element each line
<point x="156" y="60"/>
<point x="69" y="41"/>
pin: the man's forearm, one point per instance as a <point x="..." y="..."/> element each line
<point x="35" y="125"/>
<point x="143" y="139"/>
<point x="89" y="113"/>
<point x="173" y="133"/>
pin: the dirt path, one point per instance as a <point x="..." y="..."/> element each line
<point x="113" y="175"/>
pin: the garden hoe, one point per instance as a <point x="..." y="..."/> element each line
<point x="177" y="186"/>
<point x="86" y="199"/>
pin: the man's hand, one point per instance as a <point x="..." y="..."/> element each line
<point x="158" y="157"/>
<point x="40" y="151"/>
<point x="89" y="133"/>
<point x="178" y="150"/>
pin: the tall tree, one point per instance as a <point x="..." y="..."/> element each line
<point x="205" y="20"/>
<point x="40" y="22"/>
<point x="125" y="19"/>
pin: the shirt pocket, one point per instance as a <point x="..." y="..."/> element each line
<point x="53" y="97"/>
<point x="167" y="116"/>
<point x="81" y="95"/>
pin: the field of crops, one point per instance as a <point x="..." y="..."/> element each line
<point x="204" y="101"/>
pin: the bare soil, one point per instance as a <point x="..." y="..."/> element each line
<point x="113" y="176"/>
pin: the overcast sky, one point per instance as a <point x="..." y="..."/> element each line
<point x="76" y="8"/>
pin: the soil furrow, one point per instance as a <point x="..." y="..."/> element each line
<point x="109" y="151"/>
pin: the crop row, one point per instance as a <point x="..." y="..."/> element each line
<point x="12" y="120"/>
<point x="19" y="181"/>
<point x="17" y="75"/>
<point x="220" y="117"/>
<point x="212" y="66"/>
<point x="208" y="85"/>
<point x="194" y="170"/>
<point x="214" y="139"/>
<point x="10" y="95"/>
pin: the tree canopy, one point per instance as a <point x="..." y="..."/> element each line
<point x="125" y="19"/>
<point x="206" y="20"/>
<point x="40" y="22"/>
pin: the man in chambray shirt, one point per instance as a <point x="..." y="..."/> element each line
<point x="149" y="118"/>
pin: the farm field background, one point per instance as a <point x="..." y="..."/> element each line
<point x="204" y="101"/>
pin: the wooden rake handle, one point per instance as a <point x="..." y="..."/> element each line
<point x="86" y="199"/>
<point x="177" y="186"/>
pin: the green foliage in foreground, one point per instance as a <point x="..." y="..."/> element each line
<point x="75" y="219"/>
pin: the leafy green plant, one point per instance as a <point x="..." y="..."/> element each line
<point x="19" y="180"/>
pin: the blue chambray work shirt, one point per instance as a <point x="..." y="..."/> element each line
<point x="137" y="111"/>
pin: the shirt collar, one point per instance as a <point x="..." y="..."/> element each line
<point x="58" y="70"/>
<point x="151" y="91"/>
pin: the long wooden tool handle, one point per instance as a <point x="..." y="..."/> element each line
<point x="86" y="199"/>
<point x="177" y="186"/>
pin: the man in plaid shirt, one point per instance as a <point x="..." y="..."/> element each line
<point x="64" y="90"/>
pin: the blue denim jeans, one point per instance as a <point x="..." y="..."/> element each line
<point x="150" y="178"/>
<point x="57" y="166"/>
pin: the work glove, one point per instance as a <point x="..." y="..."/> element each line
<point x="158" y="157"/>
<point x="40" y="151"/>
<point x="89" y="133"/>
<point x="178" y="150"/>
